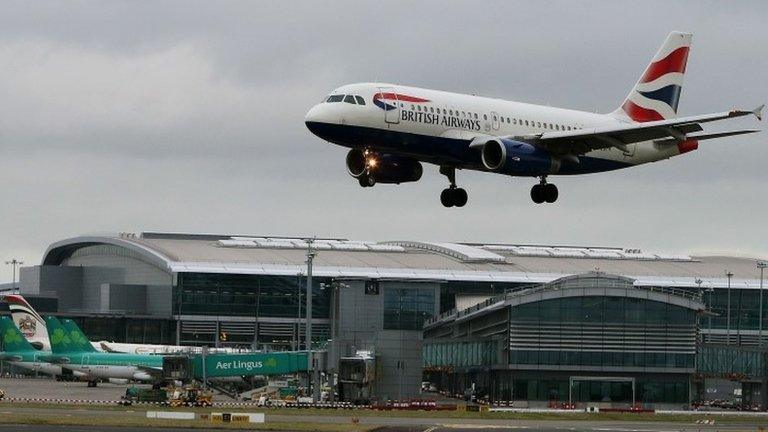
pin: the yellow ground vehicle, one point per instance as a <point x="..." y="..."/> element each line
<point x="190" y="397"/>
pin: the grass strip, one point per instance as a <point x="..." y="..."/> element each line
<point x="447" y="415"/>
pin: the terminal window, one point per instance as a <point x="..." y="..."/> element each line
<point x="408" y="308"/>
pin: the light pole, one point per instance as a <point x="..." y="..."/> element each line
<point x="313" y="370"/>
<point x="729" y="275"/>
<point x="14" y="262"/>
<point x="710" y="290"/>
<point x="761" y="265"/>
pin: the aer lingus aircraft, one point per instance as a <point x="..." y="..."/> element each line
<point x="391" y="129"/>
<point x="18" y="352"/>
<point x="72" y="350"/>
<point x="33" y="328"/>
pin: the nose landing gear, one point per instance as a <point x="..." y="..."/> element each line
<point x="544" y="192"/>
<point x="452" y="196"/>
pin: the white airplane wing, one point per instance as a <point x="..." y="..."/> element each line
<point x="577" y="142"/>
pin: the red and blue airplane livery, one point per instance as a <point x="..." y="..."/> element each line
<point x="393" y="129"/>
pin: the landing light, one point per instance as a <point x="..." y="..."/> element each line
<point x="371" y="162"/>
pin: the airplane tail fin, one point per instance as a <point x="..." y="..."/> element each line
<point x="13" y="340"/>
<point x="657" y="92"/>
<point x="28" y="321"/>
<point x="66" y="337"/>
<point x="79" y="339"/>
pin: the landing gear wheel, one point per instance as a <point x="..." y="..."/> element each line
<point x="454" y="197"/>
<point x="366" y="180"/>
<point x="459" y="197"/>
<point x="550" y="192"/>
<point x="446" y="197"/>
<point x="537" y="193"/>
<point x="92" y="383"/>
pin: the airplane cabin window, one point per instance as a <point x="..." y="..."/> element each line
<point x="526" y="122"/>
<point x="349" y="99"/>
<point x="475" y="116"/>
<point x="360" y="100"/>
<point x="335" y="98"/>
<point x="485" y="116"/>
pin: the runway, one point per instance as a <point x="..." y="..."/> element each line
<point x="531" y="428"/>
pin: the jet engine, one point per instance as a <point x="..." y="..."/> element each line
<point x="517" y="158"/>
<point x="371" y="167"/>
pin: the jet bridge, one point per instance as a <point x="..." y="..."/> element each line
<point x="212" y="366"/>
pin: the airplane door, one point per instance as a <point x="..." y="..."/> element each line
<point x="386" y="99"/>
<point x="494" y="120"/>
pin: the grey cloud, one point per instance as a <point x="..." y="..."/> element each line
<point x="189" y="117"/>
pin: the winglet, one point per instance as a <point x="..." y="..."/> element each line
<point x="758" y="112"/>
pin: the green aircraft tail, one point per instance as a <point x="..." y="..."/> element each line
<point x="13" y="340"/>
<point x="66" y="337"/>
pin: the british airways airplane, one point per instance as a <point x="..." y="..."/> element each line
<point x="391" y="129"/>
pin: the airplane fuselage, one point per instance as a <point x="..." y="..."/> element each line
<point x="115" y="365"/>
<point x="438" y="127"/>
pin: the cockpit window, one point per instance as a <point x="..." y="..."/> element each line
<point x="335" y="98"/>
<point x="360" y="100"/>
<point x="349" y="99"/>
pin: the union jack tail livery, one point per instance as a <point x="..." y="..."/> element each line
<point x="657" y="92"/>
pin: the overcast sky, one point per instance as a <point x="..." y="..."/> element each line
<point x="174" y="116"/>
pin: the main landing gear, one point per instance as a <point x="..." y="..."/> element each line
<point x="544" y="192"/>
<point x="452" y="196"/>
<point x="367" y="180"/>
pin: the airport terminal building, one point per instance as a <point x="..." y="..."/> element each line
<point x="510" y="321"/>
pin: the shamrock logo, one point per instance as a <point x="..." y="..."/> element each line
<point x="11" y="337"/>
<point x="59" y="337"/>
<point x="271" y="362"/>
<point x="78" y="338"/>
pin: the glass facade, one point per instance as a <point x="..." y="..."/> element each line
<point x="464" y="353"/>
<point x="249" y="295"/>
<point x="603" y="331"/>
<point x="559" y="387"/>
<point x="129" y="330"/>
<point x="745" y="311"/>
<point x="647" y="390"/>
<point x="408" y="308"/>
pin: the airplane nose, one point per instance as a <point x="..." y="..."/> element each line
<point x="313" y="115"/>
<point x="319" y="119"/>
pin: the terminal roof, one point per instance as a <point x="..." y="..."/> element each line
<point x="343" y="258"/>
